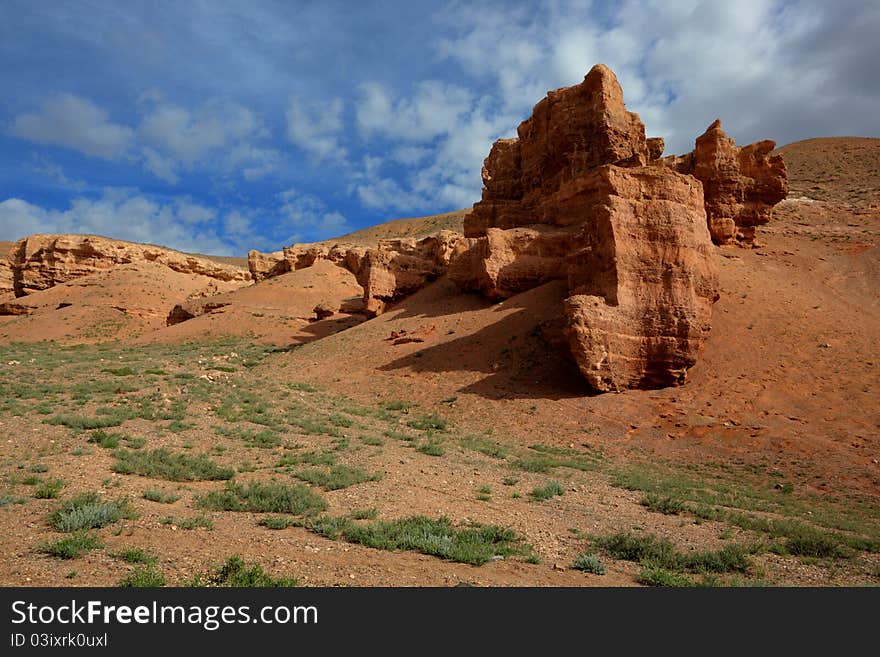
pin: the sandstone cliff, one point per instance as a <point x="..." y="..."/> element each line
<point x="39" y="262"/>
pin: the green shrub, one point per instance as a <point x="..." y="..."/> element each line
<point x="134" y="555"/>
<point x="431" y="422"/>
<point x="545" y="492"/>
<point x="88" y="511"/>
<point x="474" y="544"/>
<point x="262" y="497"/>
<point x="143" y="577"/>
<point x="48" y="489"/>
<point x="589" y="563"/>
<point x="71" y="547"/>
<point x="664" y="504"/>
<point x="336" y="477"/>
<point x="160" y="496"/>
<point x="165" y="464"/>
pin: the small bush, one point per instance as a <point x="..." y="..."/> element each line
<point x="71" y="547"/>
<point x="262" y="497"/>
<point x="160" y="496"/>
<point x="638" y="548"/>
<point x="81" y="422"/>
<point x="336" y="477"/>
<point x="589" y="563"/>
<point x="545" y="492"/>
<point x="135" y="555"/>
<point x="165" y="464"/>
<point x="274" y="522"/>
<point x="104" y="439"/>
<point x="143" y="577"/>
<point x="88" y="511"/>
<point x="653" y="576"/>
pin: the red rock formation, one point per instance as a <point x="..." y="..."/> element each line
<point x="387" y="273"/>
<point x="571" y="131"/>
<point x="41" y="261"/>
<point x="643" y="282"/>
<point x="740" y="184"/>
<point x="582" y="196"/>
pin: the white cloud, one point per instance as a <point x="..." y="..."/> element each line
<point x="126" y="215"/>
<point x="315" y="127"/>
<point x="76" y="123"/>
<point x="308" y="218"/>
<point x="218" y="134"/>
<point x="434" y="109"/>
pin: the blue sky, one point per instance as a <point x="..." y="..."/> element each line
<point x="223" y="126"/>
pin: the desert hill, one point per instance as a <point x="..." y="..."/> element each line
<point x="834" y="169"/>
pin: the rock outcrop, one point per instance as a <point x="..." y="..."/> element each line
<point x="740" y="184"/>
<point x="392" y="270"/>
<point x="582" y="196"/>
<point x="39" y="262"/>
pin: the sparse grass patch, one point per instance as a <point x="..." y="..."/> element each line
<point x="160" y="496"/>
<point x="84" y="423"/>
<point x="265" y="439"/>
<point x="398" y="405"/>
<point x="431" y="448"/>
<point x="545" y="492"/>
<point x="432" y="422"/>
<point x="143" y="577"/>
<point x="7" y="499"/>
<point x="165" y="464"/>
<point x="303" y="387"/>
<point x="658" y="553"/>
<point x="272" y="497"/>
<point x="364" y="514"/>
<point x="309" y="458"/>
<point x="397" y="435"/>
<point x="119" y="371"/>
<point x="193" y="522"/>
<point x="48" y="489"/>
<point x="336" y="476"/>
<point x="38" y="468"/>
<point x="664" y="504"/>
<point x="474" y="544"/>
<point x="589" y="563"/>
<point x="236" y="573"/>
<point x="485" y="446"/>
<point x="373" y="441"/>
<point x="135" y="555"/>
<point x="654" y="576"/>
<point x="73" y="546"/>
